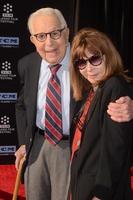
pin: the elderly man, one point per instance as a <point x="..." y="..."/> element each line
<point x="43" y="125"/>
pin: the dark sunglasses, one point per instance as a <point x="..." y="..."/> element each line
<point x="94" y="60"/>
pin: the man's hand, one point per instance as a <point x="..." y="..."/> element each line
<point x="95" y="198"/>
<point x="121" y="110"/>
<point x="19" y="154"/>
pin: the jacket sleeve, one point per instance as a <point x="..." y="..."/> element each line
<point x="20" y="107"/>
<point x="115" y="145"/>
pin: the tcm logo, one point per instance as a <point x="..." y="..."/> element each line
<point x="7" y="10"/>
<point x="13" y="41"/>
<point x="4" y="122"/>
<point x="7" y="15"/>
<point x="6" y="68"/>
<point x="7" y="149"/>
<point x="6" y="71"/>
<point x="8" y="96"/>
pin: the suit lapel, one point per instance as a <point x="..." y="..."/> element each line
<point x="93" y="104"/>
<point x="76" y="107"/>
<point x="72" y="106"/>
<point x="36" y="64"/>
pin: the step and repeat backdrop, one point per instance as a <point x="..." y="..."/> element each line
<point x="14" y="44"/>
<point x="9" y="54"/>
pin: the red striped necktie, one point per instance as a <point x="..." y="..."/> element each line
<point x="53" y="111"/>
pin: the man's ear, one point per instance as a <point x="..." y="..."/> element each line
<point x="67" y="33"/>
<point x="32" y="39"/>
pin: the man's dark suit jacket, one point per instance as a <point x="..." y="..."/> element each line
<point x="26" y="107"/>
<point x="101" y="165"/>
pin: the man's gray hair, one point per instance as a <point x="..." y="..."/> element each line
<point x="44" y="12"/>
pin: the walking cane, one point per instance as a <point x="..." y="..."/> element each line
<point x="18" y="179"/>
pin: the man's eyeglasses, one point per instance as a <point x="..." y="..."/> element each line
<point x="94" y="60"/>
<point x="55" y="35"/>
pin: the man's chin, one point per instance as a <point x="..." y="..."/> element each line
<point x="52" y="60"/>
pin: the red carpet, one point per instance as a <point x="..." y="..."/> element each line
<point x="7" y="183"/>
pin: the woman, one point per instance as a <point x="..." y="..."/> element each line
<point x="100" y="160"/>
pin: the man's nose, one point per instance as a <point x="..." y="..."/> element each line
<point x="48" y="40"/>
